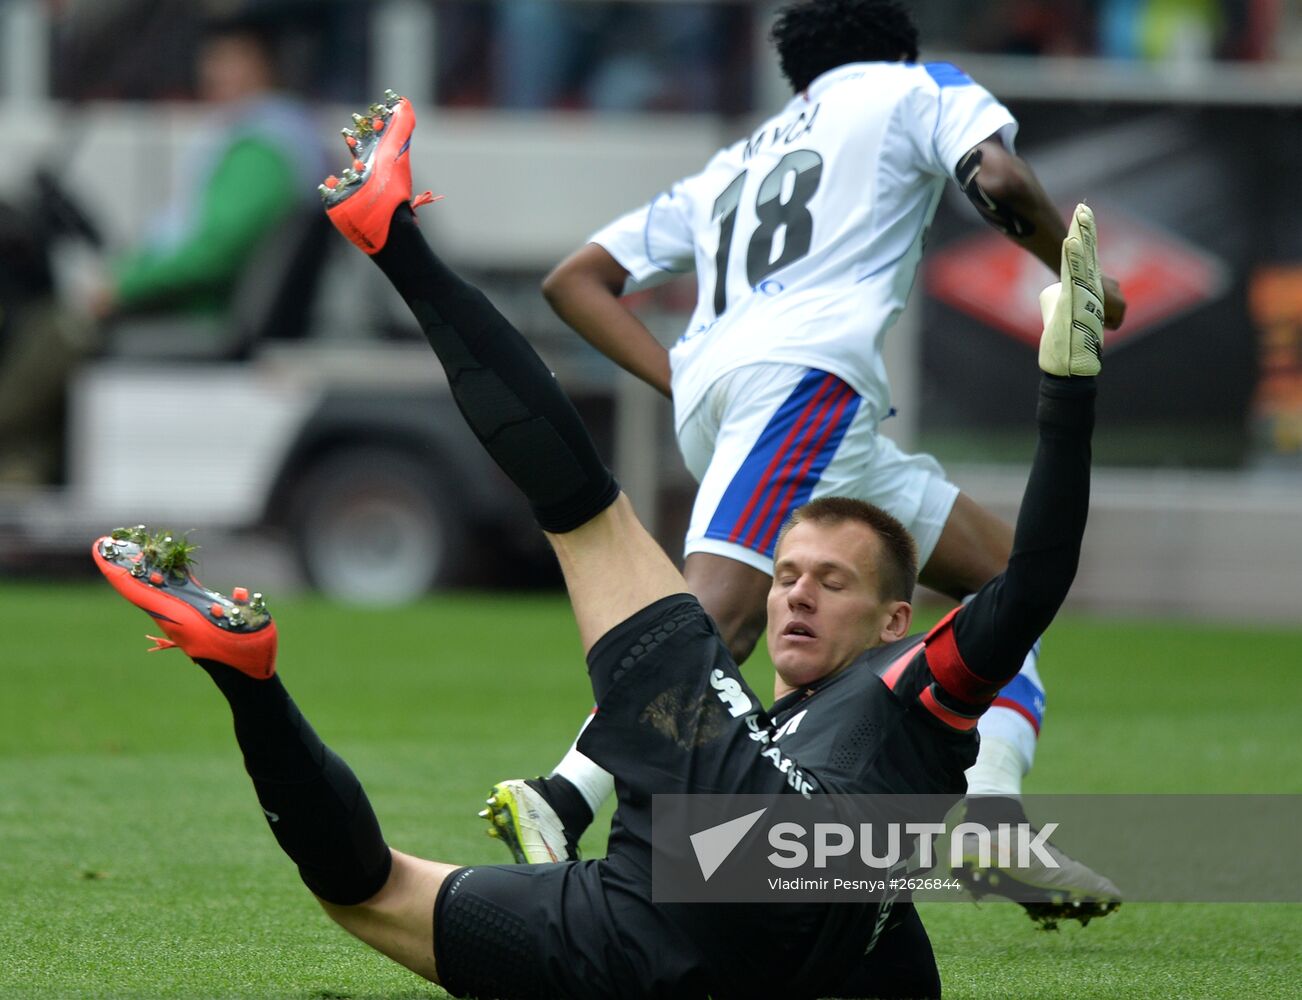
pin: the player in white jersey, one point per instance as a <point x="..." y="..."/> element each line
<point x="805" y="237"/>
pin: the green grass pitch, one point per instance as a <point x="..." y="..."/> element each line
<point x="134" y="860"/>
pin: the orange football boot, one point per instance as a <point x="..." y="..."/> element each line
<point x="362" y="199"/>
<point x="153" y="573"/>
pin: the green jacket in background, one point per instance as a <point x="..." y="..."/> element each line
<point x="263" y="165"/>
<point x="252" y="188"/>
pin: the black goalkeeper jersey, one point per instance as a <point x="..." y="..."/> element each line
<point x="676" y="717"/>
<point x="873" y="728"/>
<point x="864" y="731"/>
<point x="870" y="730"/>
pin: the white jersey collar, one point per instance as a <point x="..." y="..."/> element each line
<point x="834" y="76"/>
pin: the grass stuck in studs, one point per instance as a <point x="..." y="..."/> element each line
<point x="163" y="550"/>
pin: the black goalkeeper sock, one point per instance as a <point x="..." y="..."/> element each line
<point x="508" y="397"/>
<point x="313" y="802"/>
<point x="571" y="807"/>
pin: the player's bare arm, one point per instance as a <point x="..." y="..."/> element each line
<point x="584" y="290"/>
<point x="1004" y="189"/>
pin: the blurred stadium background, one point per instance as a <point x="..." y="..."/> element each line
<point x="297" y="422"/>
<point x="1178" y="119"/>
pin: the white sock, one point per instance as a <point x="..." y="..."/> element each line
<point x="1008" y="740"/>
<point x="594" y="782"/>
<point x="1000" y="763"/>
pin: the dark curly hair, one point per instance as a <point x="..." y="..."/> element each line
<point x="813" y="36"/>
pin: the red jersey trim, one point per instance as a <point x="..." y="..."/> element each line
<point x="891" y="676"/>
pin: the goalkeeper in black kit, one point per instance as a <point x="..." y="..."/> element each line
<point x="839" y="622"/>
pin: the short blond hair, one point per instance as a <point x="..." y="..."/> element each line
<point x="898" y="573"/>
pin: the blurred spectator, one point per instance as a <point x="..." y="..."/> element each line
<point x="1031" y="28"/>
<point x="612" y="57"/>
<point x="144" y="49"/>
<point x="605" y="56"/>
<point x="1290" y="32"/>
<point x="40" y="340"/>
<point x="1181" y="31"/>
<point x="1188" y="31"/>
<point x="122" y="49"/>
<point x="1152" y="30"/>
<point x="1254" y="29"/>
<point x="238" y="190"/>
<point x="265" y="160"/>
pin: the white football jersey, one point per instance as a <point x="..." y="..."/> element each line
<point x="806" y="235"/>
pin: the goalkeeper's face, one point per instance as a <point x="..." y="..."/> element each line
<point x="825" y="605"/>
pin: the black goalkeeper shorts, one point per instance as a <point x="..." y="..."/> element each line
<point x="577" y="929"/>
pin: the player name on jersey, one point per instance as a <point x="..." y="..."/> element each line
<point x="781" y="134"/>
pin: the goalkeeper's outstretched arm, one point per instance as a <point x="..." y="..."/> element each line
<point x="994" y="632"/>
